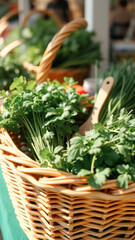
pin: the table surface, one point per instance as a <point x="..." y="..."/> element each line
<point x="9" y="224"/>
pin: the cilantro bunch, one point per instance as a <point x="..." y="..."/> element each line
<point x="47" y="114"/>
<point x="106" y="152"/>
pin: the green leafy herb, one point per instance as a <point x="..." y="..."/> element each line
<point x="78" y="49"/>
<point x="106" y="152"/>
<point x="47" y="114"/>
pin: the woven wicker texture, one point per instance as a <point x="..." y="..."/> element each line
<point x="44" y="70"/>
<point x="50" y="204"/>
<point x="54" y="45"/>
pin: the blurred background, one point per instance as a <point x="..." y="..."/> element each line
<point x="99" y="14"/>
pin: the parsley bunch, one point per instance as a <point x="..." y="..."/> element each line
<point x="47" y="114"/>
<point x="105" y="152"/>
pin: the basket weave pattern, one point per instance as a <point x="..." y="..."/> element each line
<point x="50" y="204"/>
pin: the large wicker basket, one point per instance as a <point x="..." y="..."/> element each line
<point x="51" y="204"/>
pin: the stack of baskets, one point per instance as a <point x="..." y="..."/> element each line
<point x="51" y="204"/>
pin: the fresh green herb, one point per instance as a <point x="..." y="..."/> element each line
<point x="78" y="49"/>
<point x="47" y="114"/>
<point x="105" y="152"/>
<point x="123" y="92"/>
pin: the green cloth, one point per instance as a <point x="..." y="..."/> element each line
<point x="9" y="224"/>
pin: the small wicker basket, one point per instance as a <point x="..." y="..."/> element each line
<point x="51" y="204"/>
<point x="44" y="70"/>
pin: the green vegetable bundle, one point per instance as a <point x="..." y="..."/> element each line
<point x="106" y="152"/>
<point x="47" y="114"/>
<point x="79" y="49"/>
<point x="123" y="92"/>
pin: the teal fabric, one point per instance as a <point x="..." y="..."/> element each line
<point x="9" y="224"/>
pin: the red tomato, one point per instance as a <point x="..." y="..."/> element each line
<point x="79" y="88"/>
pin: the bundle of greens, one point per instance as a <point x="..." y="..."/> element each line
<point x="47" y="114"/>
<point x="123" y="92"/>
<point x="106" y="152"/>
<point x="9" y="69"/>
<point x="78" y="49"/>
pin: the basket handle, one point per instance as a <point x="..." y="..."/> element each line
<point x="54" y="45"/>
<point x="10" y="47"/>
<point x="43" y="13"/>
<point x="4" y="20"/>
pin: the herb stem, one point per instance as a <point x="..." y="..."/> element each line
<point x="92" y="163"/>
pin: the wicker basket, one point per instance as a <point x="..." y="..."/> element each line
<point x="51" y="204"/>
<point x="79" y="74"/>
<point x="44" y="70"/>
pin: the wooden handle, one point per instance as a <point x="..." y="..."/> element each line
<point x="103" y="94"/>
<point x="53" y="47"/>
<point x="43" y="13"/>
<point x="10" y="47"/>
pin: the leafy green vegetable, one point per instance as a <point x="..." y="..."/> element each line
<point x="47" y="114"/>
<point x="78" y="49"/>
<point x="105" y="152"/>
